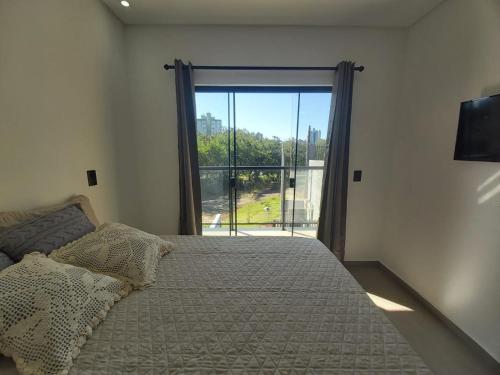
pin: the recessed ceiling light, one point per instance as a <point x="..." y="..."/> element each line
<point x="126" y="4"/>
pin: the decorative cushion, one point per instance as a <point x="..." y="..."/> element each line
<point x="10" y="218"/>
<point x="45" y="233"/>
<point x="117" y="250"/>
<point x="48" y="310"/>
<point x="5" y="261"/>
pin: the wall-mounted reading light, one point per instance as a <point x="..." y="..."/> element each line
<point x="125" y="3"/>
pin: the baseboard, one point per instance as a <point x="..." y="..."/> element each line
<point x="361" y="263"/>
<point x="469" y="341"/>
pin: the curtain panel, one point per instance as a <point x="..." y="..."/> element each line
<point x="333" y="209"/>
<point x="189" y="173"/>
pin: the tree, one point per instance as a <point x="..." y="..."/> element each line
<point x="253" y="149"/>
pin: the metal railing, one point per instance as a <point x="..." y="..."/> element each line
<point x="282" y="223"/>
<point x="260" y="167"/>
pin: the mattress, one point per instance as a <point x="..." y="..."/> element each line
<point x="247" y="306"/>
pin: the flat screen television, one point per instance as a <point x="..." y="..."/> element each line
<point x="478" y="135"/>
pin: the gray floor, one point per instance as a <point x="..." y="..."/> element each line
<point x="442" y="350"/>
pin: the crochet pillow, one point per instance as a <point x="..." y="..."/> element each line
<point x="48" y="310"/>
<point x="119" y="251"/>
<point x="10" y="218"/>
<point x="45" y="233"/>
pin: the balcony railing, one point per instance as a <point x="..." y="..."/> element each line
<point x="260" y="167"/>
<point x="261" y="197"/>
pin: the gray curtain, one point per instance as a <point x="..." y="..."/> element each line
<point x="189" y="173"/>
<point x="332" y="218"/>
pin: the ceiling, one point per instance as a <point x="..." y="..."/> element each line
<point x="377" y="13"/>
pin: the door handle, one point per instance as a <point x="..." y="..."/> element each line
<point x="292" y="182"/>
<point x="232" y="182"/>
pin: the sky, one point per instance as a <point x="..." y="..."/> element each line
<point x="272" y="114"/>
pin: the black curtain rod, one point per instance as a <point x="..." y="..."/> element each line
<point x="221" y="67"/>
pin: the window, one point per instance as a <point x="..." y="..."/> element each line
<point x="261" y="152"/>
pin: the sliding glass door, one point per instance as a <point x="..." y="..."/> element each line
<point x="261" y="152"/>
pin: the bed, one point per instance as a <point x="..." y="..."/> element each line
<point x="248" y="305"/>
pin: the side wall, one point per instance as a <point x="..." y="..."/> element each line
<point x="61" y="96"/>
<point x="442" y="235"/>
<point x="153" y="134"/>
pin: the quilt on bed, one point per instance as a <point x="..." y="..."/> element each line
<point x="248" y="306"/>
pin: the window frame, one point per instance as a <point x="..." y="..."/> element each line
<point x="267" y="89"/>
<point x="263" y="89"/>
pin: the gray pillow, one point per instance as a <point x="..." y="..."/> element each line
<point x="45" y="233"/>
<point x="5" y="261"/>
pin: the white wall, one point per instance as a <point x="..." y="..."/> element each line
<point x="443" y="231"/>
<point x="152" y="137"/>
<point x="61" y="94"/>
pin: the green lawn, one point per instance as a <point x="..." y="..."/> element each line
<point x="255" y="211"/>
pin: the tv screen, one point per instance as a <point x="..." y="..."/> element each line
<point x="478" y="136"/>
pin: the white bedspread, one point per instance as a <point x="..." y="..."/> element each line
<point x="247" y="306"/>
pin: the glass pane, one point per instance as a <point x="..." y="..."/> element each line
<point x="215" y="202"/>
<point x="313" y="129"/>
<point x="265" y="128"/>
<point x="212" y="129"/>
<point x="259" y="199"/>
<point x="213" y="152"/>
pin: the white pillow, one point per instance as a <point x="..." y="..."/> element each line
<point x="119" y="251"/>
<point x="48" y="310"/>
